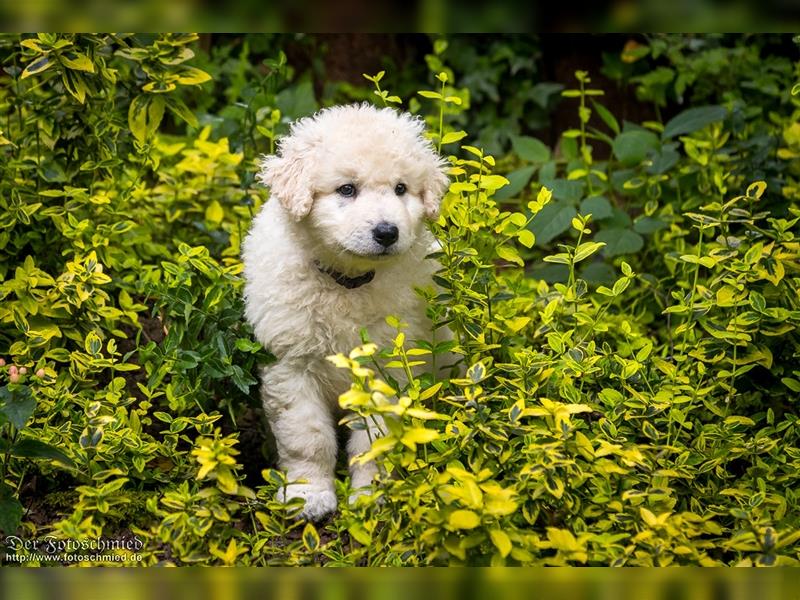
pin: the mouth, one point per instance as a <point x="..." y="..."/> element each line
<point x="361" y="247"/>
<point x="381" y="254"/>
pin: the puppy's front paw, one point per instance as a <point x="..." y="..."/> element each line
<point x="320" y="502"/>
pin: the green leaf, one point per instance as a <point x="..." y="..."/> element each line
<point x="648" y="225"/>
<point x="77" y="61"/>
<point x="93" y="344"/>
<point x="791" y="383"/>
<point x="137" y="117"/>
<point x="598" y="272"/>
<point x="693" y="119"/>
<point x="247" y="345"/>
<point x="566" y="190"/>
<point x="30" y="448"/>
<point x="374" y="78"/>
<point x="180" y="110"/>
<point x="517" y="181"/>
<point x="37" y="66"/>
<point x="10" y="510"/>
<point x="310" y="537"/>
<point x="297" y="100"/>
<point x="90" y="437"/>
<point x="530" y="149"/>
<point x="17" y="406"/>
<point x="597" y="206"/>
<point x="429" y="94"/>
<point x="358" y="533"/>
<point x="607" y="117"/>
<point x="32" y="44"/>
<point x="155" y="114"/>
<point x="476" y="372"/>
<point x="561" y="258"/>
<point x="631" y="147"/>
<point x="756" y="189"/>
<point x="510" y="254"/>
<point x="193" y="76"/>
<point x="158" y="87"/>
<point x="551" y="221"/>
<point x="543" y="93"/>
<point x="663" y="159"/>
<point x="619" y="241"/>
<point x="585" y="250"/>
<point x="75" y="85"/>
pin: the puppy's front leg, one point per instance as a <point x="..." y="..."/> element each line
<point x="301" y="421"/>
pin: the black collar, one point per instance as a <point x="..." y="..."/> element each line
<point x="345" y="281"/>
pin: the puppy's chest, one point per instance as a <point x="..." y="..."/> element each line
<point x="345" y="313"/>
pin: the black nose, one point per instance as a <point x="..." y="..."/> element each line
<point x="385" y="233"/>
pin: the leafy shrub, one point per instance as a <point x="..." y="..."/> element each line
<point x="625" y="308"/>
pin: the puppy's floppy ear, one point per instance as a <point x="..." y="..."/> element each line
<point x="287" y="182"/>
<point x="435" y="187"/>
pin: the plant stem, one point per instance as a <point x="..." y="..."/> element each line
<point x="694" y="287"/>
<point x="441" y="121"/>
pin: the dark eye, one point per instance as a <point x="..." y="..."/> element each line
<point x="400" y="189"/>
<point x="348" y="190"/>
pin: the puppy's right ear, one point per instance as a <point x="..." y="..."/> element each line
<point x="435" y="187"/>
<point x="287" y="182"/>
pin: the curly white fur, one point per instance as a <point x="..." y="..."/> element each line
<point x="302" y="314"/>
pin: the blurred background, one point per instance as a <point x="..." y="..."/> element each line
<point x="397" y="584"/>
<point x="430" y="15"/>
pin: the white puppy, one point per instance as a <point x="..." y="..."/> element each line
<point x="339" y="246"/>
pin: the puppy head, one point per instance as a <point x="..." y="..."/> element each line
<point x="361" y="180"/>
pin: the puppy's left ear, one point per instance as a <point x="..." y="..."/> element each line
<point x="288" y="182"/>
<point x="435" y="188"/>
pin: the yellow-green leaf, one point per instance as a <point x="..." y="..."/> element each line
<point x="453" y="136"/>
<point x="492" y="182"/>
<point x="510" y="254"/>
<point x="379" y="446"/>
<point x="517" y="323"/>
<point x="226" y="481"/>
<point x="501" y="541"/>
<point x="499" y="506"/>
<point x="526" y="238"/>
<point x="358" y="533"/>
<point x="32" y="44"/>
<point x="418" y="435"/>
<point x="464" y="519"/>
<point x="193" y="76"/>
<point x="77" y="61"/>
<point x="155" y="113"/>
<point x="137" y="117"/>
<point x="37" y="66"/>
<point x="431" y="391"/>
<point x="214" y="212"/>
<point x="755" y="190"/>
<point x="586" y="250"/>
<point x="310" y="537"/>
